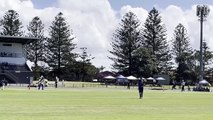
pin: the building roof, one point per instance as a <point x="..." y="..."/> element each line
<point x="17" y="39"/>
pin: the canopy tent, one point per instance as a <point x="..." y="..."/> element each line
<point x="121" y="80"/>
<point x="204" y="82"/>
<point x="203" y="85"/>
<point x="155" y="82"/>
<point x="120" y="77"/>
<point x="150" y="78"/>
<point x="109" y="77"/>
<point x="160" y="78"/>
<point x="132" y="78"/>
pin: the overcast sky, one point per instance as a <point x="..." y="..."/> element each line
<point x="94" y="21"/>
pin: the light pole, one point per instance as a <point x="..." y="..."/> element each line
<point x="85" y="60"/>
<point x="83" y="57"/>
<point x="204" y="53"/>
<point x="202" y="12"/>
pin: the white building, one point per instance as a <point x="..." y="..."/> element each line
<point x="13" y="67"/>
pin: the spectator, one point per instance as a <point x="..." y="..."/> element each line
<point x="41" y="83"/>
<point x="2" y="84"/>
<point x="182" y="85"/>
<point x="173" y="84"/>
<point x="56" y="82"/>
<point x="128" y="85"/>
<point x="63" y="83"/>
<point x="189" y="89"/>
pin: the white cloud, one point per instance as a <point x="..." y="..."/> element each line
<point x="172" y="15"/>
<point x="94" y="21"/>
<point x="139" y="12"/>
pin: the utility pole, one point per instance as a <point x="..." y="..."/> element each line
<point x="85" y="60"/>
<point x="83" y="57"/>
<point x="202" y="12"/>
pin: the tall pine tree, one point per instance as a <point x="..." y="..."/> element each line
<point x="207" y="56"/>
<point x="180" y="41"/>
<point x="35" y="50"/>
<point x="125" y="41"/>
<point x="155" y="39"/>
<point x="59" y="45"/>
<point x="182" y="52"/>
<point x="11" y="25"/>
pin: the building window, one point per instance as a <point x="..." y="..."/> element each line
<point x="7" y="44"/>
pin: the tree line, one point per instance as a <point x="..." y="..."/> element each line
<point x="139" y="50"/>
<point x="55" y="50"/>
<point x="144" y="50"/>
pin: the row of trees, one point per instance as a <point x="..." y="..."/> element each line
<point x="140" y="50"/>
<point x="56" y="49"/>
<point x="143" y="50"/>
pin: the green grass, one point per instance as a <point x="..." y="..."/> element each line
<point x="103" y="104"/>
